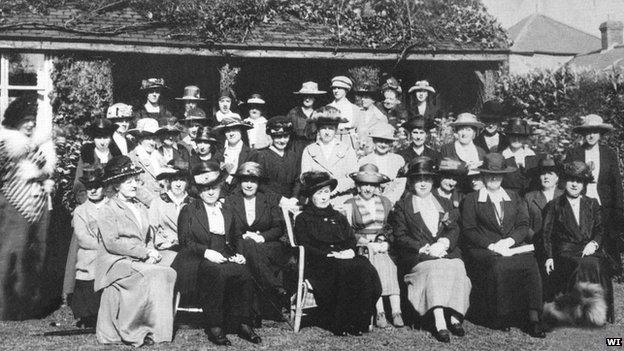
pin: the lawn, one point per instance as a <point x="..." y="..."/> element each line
<point x="277" y="336"/>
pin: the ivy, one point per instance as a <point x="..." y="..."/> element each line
<point x="383" y="24"/>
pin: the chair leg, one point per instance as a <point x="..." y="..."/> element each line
<point x="301" y="296"/>
<point x="176" y="304"/>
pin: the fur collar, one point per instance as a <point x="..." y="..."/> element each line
<point x="17" y="146"/>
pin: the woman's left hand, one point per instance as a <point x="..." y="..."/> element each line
<point x="238" y="259"/>
<point x="590" y="249"/>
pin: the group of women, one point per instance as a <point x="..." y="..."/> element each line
<point x="460" y="232"/>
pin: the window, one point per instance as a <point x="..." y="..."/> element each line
<point x="24" y="74"/>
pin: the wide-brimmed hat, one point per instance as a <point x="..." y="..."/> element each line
<point x="327" y="115"/>
<point x="170" y="127"/>
<point x="175" y="169"/>
<point x="467" y="119"/>
<point x="313" y="181"/>
<point x="384" y="131"/>
<point x="101" y="128"/>
<point x="593" y="123"/>
<point x="191" y="93"/>
<point x="195" y="115"/>
<point x="118" y="168"/>
<point x="495" y="163"/>
<point x="279" y="125"/>
<point x="452" y="167"/>
<point x="343" y="82"/>
<point x="18" y="112"/>
<point x="518" y="126"/>
<point x="492" y="111"/>
<point x="153" y="83"/>
<point x="369" y="174"/>
<point x="391" y="83"/>
<point x="547" y="164"/>
<point x="250" y="169"/>
<point x="208" y="173"/>
<point x="309" y="88"/>
<point x="92" y="177"/>
<point x="422" y="165"/>
<point x="418" y="122"/>
<point x="206" y="134"/>
<point x="119" y="111"/>
<point x="232" y="122"/>
<point x="577" y="170"/>
<point x="421" y="85"/>
<point x="255" y="100"/>
<point x="146" y="127"/>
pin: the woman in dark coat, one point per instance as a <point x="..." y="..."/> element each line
<point x="425" y="240"/>
<point x="209" y="263"/>
<point x="153" y="108"/>
<point x="304" y="132"/>
<point x="206" y="147"/>
<point x="519" y="155"/>
<point x="346" y="286"/>
<point x="573" y="234"/>
<point x="547" y="172"/>
<point x="506" y="282"/>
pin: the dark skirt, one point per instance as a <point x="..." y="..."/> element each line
<point x="345" y="290"/>
<point x="85" y="302"/>
<point x="503" y="287"/>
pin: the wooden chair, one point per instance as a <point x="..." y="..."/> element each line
<point x="176" y="306"/>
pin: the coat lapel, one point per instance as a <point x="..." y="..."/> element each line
<point x="584" y="217"/>
<point x="569" y="221"/>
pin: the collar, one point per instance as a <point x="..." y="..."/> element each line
<point x="501" y="193"/>
<point x="419" y="203"/>
<point x="151" y="109"/>
<point x="417" y="149"/>
<point x="444" y="194"/>
<point x="524" y="151"/>
<point x="166" y="197"/>
<point x="572" y="201"/>
<point x="238" y="146"/>
<point x="470" y="146"/>
<point x="278" y="152"/>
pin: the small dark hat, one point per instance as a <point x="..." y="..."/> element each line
<point x="92" y="177"/>
<point x="205" y="134"/>
<point x="169" y="128"/>
<point x="153" y="83"/>
<point x="518" y="126"/>
<point x="369" y="174"/>
<point x="492" y="111"/>
<point x="495" y="163"/>
<point x="547" y="164"/>
<point x="118" y="168"/>
<point x="175" y="169"/>
<point x="313" y="181"/>
<point x="368" y="89"/>
<point x="18" y="112"/>
<point x="250" y="169"/>
<point x="577" y="170"/>
<point x="101" y="128"/>
<point x="232" y="122"/>
<point x="279" y="125"/>
<point x="422" y="165"/>
<point x="452" y="167"/>
<point x="418" y="122"/>
<point x="209" y="173"/>
<point x="327" y="115"/>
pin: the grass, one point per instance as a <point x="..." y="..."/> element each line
<point x="26" y="335"/>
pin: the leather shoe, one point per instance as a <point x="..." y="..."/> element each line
<point x="457" y="329"/>
<point x="442" y="335"/>
<point x="535" y="330"/>
<point x="246" y="332"/>
<point x="216" y="335"/>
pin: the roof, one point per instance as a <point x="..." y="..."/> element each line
<point x="544" y="35"/>
<point x="130" y="31"/>
<point x="600" y="60"/>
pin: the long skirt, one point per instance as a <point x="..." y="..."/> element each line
<point x="439" y="283"/>
<point x="503" y="287"/>
<point x="69" y="279"/>
<point x="137" y="306"/>
<point x="85" y="302"/>
<point x="387" y="270"/>
<point x="22" y="255"/>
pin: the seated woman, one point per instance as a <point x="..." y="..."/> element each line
<point x="573" y="232"/>
<point x="369" y="212"/>
<point x="164" y="210"/>
<point x="425" y="239"/>
<point x="209" y="264"/>
<point x="137" y="299"/>
<point x="259" y="227"/>
<point x="506" y="284"/>
<point x="346" y="286"/>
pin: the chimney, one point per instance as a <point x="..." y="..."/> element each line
<point x="612" y="34"/>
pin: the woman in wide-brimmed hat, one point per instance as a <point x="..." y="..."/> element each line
<point x="121" y="114"/>
<point x="495" y="220"/>
<point x="169" y="148"/>
<point x="340" y="87"/>
<point x="259" y="227"/>
<point x="369" y="215"/>
<point x="451" y="174"/>
<point x="519" y="154"/>
<point x="191" y="98"/>
<point x="153" y="107"/>
<point x="418" y="130"/>
<point x="607" y="185"/>
<point x="466" y="127"/>
<point x="328" y="154"/>
<point x="346" y="285"/>
<point x="391" y="104"/>
<point x="206" y="147"/>
<point x="210" y="264"/>
<point x="425" y="238"/>
<point x="305" y="132"/>
<point x="256" y="107"/>
<point x="491" y="139"/>
<point x="137" y="290"/>
<point x="147" y="158"/>
<point x="576" y="262"/>
<point x="422" y="101"/>
<point x="195" y="119"/>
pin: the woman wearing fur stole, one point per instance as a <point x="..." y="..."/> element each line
<point x="27" y="161"/>
<point x="572" y="239"/>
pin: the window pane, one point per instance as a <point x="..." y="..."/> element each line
<point x="23" y="68"/>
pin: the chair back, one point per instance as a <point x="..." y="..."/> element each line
<point x="290" y="214"/>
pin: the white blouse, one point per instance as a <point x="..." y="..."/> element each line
<point x="216" y="222"/>
<point x="429" y="212"/>
<point x="250" y="210"/>
<point x="467" y="153"/>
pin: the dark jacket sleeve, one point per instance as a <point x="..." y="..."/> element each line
<point x="616" y="180"/>
<point x="521" y="227"/>
<point x="276" y="229"/>
<point x="548" y="228"/>
<point x="185" y="235"/>
<point x="401" y="237"/>
<point x="470" y="224"/>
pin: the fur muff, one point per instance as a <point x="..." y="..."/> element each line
<point x="585" y="305"/>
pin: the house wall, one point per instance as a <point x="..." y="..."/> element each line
<point x="522" y="64"/>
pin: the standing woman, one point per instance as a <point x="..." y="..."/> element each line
<point x="491" y="139"/>
<point x="27" y="161"/>
<point x="548" y="174"/>
<point x="137" y="298"/>
<point x="607" y="184"/>
<point x="153" y="89"/>
<point x="206" y="147"/>
<point x="573" y="234"/>
<point x="169" y="149"/>
<point x="209" y="263"/>
<point x="146" y="157"/>
<point x="422" y="101"/>
<point x="519" y="155"/>
<point x="507" y="285"/>
<point x="304" y="131"/>
<point x="237" y="150"/>
<point x="418" y="130"/>
<point x="330" y="155"/>
<point x="346" y="286"/>
<point x="121" y="115"/>
<point x="425" y="239"/>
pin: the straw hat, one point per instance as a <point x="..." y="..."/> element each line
<point x="452" y="167"/>
<point x="195" y="115"/>
<point x="191" y="93"/>
<point x="327" y="115"/>
<point x="313" y="181"/>
<point x="421" y="85"/>
<point x="232" y="122"/>
<point x="391" y="83"/>
<point x="255" y="99"/>
<point x="467" y="119"/>
<point x="146" y="127"/>
<point x="593" y="123"/>
<point x="342" y="82"/>
<point x="118" y="168"/>
<point x="384" y="131"/>
<point x="309" y="88"/>
<point x="153" y="83"/>
<point x="369" y="174"/>
<point x="119" y="111"/>
<point x="174" y="169"/>
<point x="494" y="163"/>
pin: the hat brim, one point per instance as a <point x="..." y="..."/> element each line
<point x="162" y="132"/>
<point x="317" y="92"/>
<point x="477" y="125"/>
<point x="420" y="173"/>
<point x="333" y="183"/>
<point x="508" y="133"/>
<point x="505" y="170"/>
<point x="141" y="133"/>
<point x="162" y="87"/>
<point x="209" y="141"/>
<point x="172" y="175"/>
<point x="602" y="128"/>
<point x="427" y="89"/>
<point x="101" y="132"/>
<point x="202" y="120"/>
<point x="383" y="137"/>
<point x="122" y="118"/>
<point x="188" y="98"/>
<point x="249" y="176"/>
<point x="369" y="177"/>
<point x="453" y="172"/>
<point x="487" y="117"/>
<point x="91" y="184"/>
<point x="117" y="177"/>
<point x="223" y="128"/>
<point x="322" y="120"/>
<point x="220" y="179"/>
